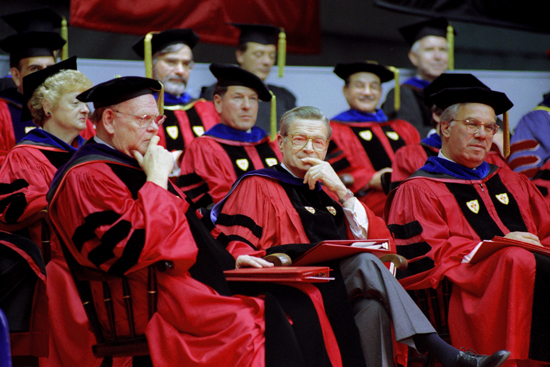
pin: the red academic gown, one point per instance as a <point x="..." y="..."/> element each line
<point x="29" y="170"/>
<point x="212" y="164"/>
<point x="437" y="220"/>
<point x="367" y="148"/>
<point x="154" y="227"/>
<point x="184" y="123"/>
<point x="411" y="157"/>
<point x="255" y="202"/>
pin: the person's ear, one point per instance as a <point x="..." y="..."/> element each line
<point x="17" y="78"/>
<point x="218" y="103"/>
<point x="108" y="120"/>
<point x="280" y="142"/>
<point x="47" y="107"/>
<point x="445" y="128"/>
<point x="239" y="56"/>
<point x="413" y="57"/>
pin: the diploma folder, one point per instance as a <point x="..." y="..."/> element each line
<point x="339" y="249"/>
<point x="488" y="248"/>
<point x="304" y="274"/>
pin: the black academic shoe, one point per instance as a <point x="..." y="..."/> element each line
<point x="471" y="359"/>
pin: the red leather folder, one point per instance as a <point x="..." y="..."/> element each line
<point x="308" y="274"/>
<point x="339" y="249"/>
<point x="488" y="248"/>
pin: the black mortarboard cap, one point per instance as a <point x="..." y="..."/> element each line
<point x="433" y="27"/>
<point x="167" y="38"/>
<point x="448" y="80"/>
<point x="260" y="33"/>
<point x="32" y="81"/>
<point x="118" y="90"/>
<point x="229" y="75"/>
<point x="450" y="96"/>
<point x="345" y="70"/>
<point x="35" y="33"/>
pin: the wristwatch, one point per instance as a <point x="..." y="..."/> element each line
<point x="346" y="197"/>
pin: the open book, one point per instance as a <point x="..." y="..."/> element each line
<point x="339" y="249"/>
<point x="489" y="247"/>
<point x="308" y="274"/>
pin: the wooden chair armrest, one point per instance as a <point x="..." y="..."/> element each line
<point x="399" y="261"/>
<point x="278" y="259"/>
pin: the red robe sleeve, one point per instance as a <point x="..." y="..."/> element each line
<point x="137" y="231"/>
<point x="7" y="137"/>
<point x="25" y="178"/>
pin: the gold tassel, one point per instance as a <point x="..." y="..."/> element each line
<point x="396" y="91"/>
<point x="273" y="119"/>
<point x="148" y="54"/>
<point x="451" y="42"/>
<point x="505" y="135"/>
<point x="281" y="56"/>
<point x="65" y="35"/>
<point x="160" y="99"/>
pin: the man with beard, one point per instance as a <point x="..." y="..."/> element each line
<point x="186" y="118"/>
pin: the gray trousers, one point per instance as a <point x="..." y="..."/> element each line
<point x="378" y="300"/>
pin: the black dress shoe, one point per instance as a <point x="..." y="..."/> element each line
<point x="470" y="359"/>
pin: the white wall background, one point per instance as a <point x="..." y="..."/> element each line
<point x="321" y="88"/>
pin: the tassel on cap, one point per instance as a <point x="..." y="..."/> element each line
<point x="281" y="53"/>
<point x="451" y="42"/>
<point x="65" y="35"/>
<point x="396" y="91"/>
<point x="505" y="135"/>
<point x="148" y="54"/>
<point x="273" y="117"/>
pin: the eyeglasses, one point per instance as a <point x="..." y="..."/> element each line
<point x="473" y="126"/>
<point x="300" y="141"/>
<point x="144" y="120"/>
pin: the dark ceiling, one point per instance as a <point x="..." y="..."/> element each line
<point x="351" y="30"/>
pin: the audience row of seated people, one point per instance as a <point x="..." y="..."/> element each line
<point x="116" y="203"/>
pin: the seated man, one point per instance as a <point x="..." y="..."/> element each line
<point x="233" y="147"/>
<point x="364" y="135"/>
<point x="115" y="209"/>
<point x="455" y="201"/>
<point x="429" y="54"/>
<point x="411" y="157"/>
<point x="303" y="201"/>
<point x="186" y="117"/>
<point x="257" y="53"/>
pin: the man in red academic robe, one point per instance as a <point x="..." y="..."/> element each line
<point x="186" y="118"/>
<point x="411" y="157"/>
<point x="364" y="142"/>
<point x="116" y="210"/>
<point x="234" y="146"/>
<point x="291" y="206"/>
<point x="455" y="201"/>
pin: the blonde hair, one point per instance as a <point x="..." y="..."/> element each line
<point x="53" y="88"/>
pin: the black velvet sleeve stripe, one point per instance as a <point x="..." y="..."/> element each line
<point x="226" y="240"/>
<point x="16" y="205"/>
<point x="413" y="250"/>
<point x="416" y="267"/>
<point x="543" y="190"/>
<point x="85" y="232"/>
<point x="240" y="220"/>
<point x="13" y="187"/>
<point x="333" y="155"/>
<point x="340" y="164"/>
<point x="194" y="192"/>
<point x="188" y="179"/>
<point x="110" y="239"/>
<point x="405" y="231"/>
<point x="131" y="253"/>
